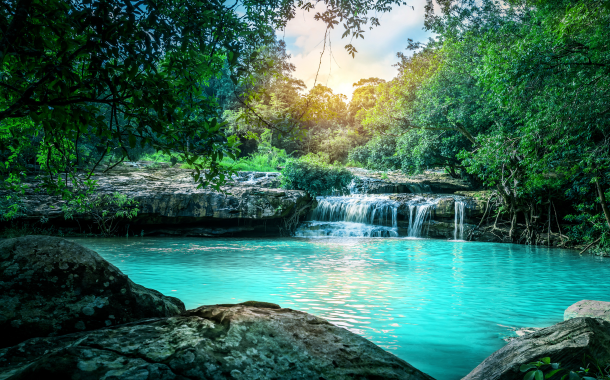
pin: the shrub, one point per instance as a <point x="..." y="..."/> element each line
<point x="106" y="210"/>
<point x="544" y="369"/>
<point x="360" y="154"/>
<point x="316" y="176"/>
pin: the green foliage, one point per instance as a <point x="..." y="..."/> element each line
<point x="271" y="160"/>
<point x="12" y="207"/>
<point x="544" y="369"/>
<point x="106" y="210"/>
<point x="360" y="155"/>
<point x="316" y="176"/>
<point x="86" y="85"/>
<point x="511" y="95"/>
<point x="95" y="79"/>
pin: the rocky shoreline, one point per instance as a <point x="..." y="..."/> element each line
<point x="58" y="330"/>
<point x="170" y="204"/>
<point x="65" y="312"/>
<point x="252" y="204"/>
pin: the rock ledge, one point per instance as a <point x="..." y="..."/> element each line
<point x="210" y="342"/>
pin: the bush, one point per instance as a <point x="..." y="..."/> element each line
<point x="106" y="210"/>
<point x="267" y="160"/>
<point x="316" y="176"/>
<point x="378" y="154"/>
<point x="360" y="154"/>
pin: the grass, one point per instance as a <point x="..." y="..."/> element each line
<point x="257" y="162"/>
<point x="156" y="157"/>
<point x="355" y="164"/>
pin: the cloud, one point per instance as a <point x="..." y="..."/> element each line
<point x="376" y="52"/>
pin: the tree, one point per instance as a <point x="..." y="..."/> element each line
<point x="364" y="97"/>
<point x="92" y="79"/>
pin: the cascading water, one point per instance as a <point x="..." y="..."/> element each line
<point x="250" y="180"/>
<point x="376" y="215"/>
<point x="417" y="217"/>
<point x="460" y="208"/>
<point x="365" y="216"/>
<point x="355" y="216"/>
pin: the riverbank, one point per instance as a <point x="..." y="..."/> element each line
<point x="252" y="204"/>
<point x="425" y="301"/>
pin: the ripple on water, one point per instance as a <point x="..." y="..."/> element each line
<point x="427" y="301"/>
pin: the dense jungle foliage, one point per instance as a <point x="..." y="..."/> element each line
<point x="512" y="95"/>
<point x="86" y="85"/>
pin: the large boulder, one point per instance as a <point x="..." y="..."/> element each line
<point x="50" y="286"/>
<point x="567" y="342"/>
<point x="587" y="308"/>
<point x="245" y="341"/>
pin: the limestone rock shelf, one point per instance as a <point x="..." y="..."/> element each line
<point x="170" y="202"/>
<point x="373" y="182"/>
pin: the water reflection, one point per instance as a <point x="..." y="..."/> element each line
<point x="427" y="301"/>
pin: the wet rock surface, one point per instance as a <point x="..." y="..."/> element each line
<point x="50" y="286"/>
<point x="567" y="342"/>
<point x="588" y="308"/>
<point x="443" y="205"/>
<point x="396" y="182"/>
<point x="246" y="341"/>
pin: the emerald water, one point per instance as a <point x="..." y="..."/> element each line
<point x="442" y="306"/>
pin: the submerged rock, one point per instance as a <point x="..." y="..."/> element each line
<point x="587" y="308"/>
<point x="567" y="343"/>
<point x="50" y="286"/>
<point x="245" y="341"/>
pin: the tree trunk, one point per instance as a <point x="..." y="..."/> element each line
<point x="602" y="200"/>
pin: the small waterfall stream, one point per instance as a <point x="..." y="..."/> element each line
<point x="417" y="217"/>
<point x="355" y="216"/>
<point x="361" y="215"/>
<point x="376" y="215"/>
<point x="460" y="209"/>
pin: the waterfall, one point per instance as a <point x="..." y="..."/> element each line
<point x="365" y="216"/>
<point x="356" y="216"/>
<point x="358" y="186"/>
<point x="417" y="217"/>
<point x="250" y="180"/>
<point x="357" y="209"/>
<point x="458" y="232"/>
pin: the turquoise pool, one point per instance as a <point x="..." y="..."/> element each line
<point x="442" y="306"/>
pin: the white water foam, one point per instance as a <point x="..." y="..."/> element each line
<point x="460" y="209"/>
<point x="355" y="216"/>
<point x="344" y="229"/>
<point x="417" y="216"/>
<point x="364" y="216"/>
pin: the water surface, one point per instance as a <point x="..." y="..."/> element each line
<point x="443" y="306"/>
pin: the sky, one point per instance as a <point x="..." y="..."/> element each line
<point x="376" y="52"/>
